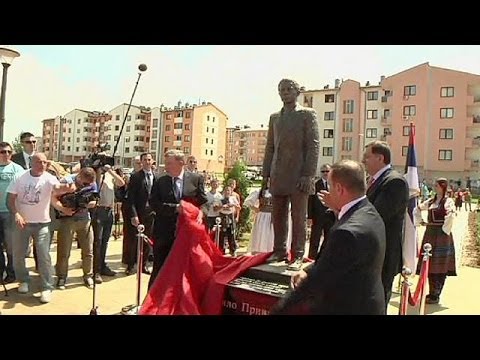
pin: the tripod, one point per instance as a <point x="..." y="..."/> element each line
<point x="94" y="310"/>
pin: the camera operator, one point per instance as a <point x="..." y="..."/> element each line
<point x="103" y="218"/>
<point x="75" y="221"/>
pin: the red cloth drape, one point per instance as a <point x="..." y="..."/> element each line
<point x="193" y="278"/>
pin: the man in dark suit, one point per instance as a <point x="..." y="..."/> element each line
<point x="23" y="158"/>
<point x="319" y="216"/>
<point x="346" y="277"/>
<point x="177" y="184"/>
<point x="139" y="189"/>
<point x="388" y="191"/>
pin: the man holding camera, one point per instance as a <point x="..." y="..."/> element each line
<point x="77" y="220"/>
<point x="107" y="178"/>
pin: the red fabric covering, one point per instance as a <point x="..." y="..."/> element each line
<point x="193" y="278"/>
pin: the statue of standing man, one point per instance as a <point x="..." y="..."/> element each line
<point x="290" y="163"/>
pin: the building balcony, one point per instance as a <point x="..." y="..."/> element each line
<point x="475" y="164"/>
<point x="384" y="99"/>
<point x="472" y="142"/>
<point x="178" y="120"/>
<point x="177" y="143"/>
<point x="177" y="131"/>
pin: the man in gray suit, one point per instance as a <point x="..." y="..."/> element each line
<point x="290" y="165"/>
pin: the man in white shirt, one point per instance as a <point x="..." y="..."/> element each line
<point x="213" y="204"/>
<point x="29" y="199"/>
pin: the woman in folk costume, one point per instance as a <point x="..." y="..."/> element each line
<point x="441" y="210"/>
<point x="262" y="236"/>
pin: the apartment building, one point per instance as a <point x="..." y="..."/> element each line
<point x="135" y="138"/>
<point x="198" y="130"/>
<point x="50" y="131"/>
<point x="246" y="145"/>
<point x="443" y="104"/>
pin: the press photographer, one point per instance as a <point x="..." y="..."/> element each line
<point x="79" y="199"/>
<point x="103" y="216"/>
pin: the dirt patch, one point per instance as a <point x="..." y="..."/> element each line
<point x="471" y="247"/>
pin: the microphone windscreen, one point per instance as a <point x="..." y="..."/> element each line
<point x="142" y="67"/>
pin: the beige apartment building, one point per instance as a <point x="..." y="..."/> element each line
<point x="246" y="145"/>
<point x="443" y="104"/>
<point x="198" y="130"/>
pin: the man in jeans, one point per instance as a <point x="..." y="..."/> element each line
<point x="29" y="201"/>
<point x="103" y="219"/>
<point x="75" y="222"/>
<point x="9" y="172"/>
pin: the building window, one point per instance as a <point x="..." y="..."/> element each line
<point x="168" y="127"/>
<point x="409" y="110"/>
<point x="187" y="126"/>
<point x="386" y="113"/>
<point x="347" y="125"/>
<point x="372" y="114"/>
<point x="68" y="148"/>
<point x="179" y="138"/>
<point x="117" y="117"/>
<point x="206" y="140"/>
<point x="372" y="95"/>
<point x="169" y="116"/>
<point x="347" y="144"/>
<point x="327" y="151"/>
<point x="77" y="149"/>
<point x="308" y="101"/>
<point x="154" y="134"/>
<point x="213" y="130"/>
<point x="208" y="119"/>
<point x="155" y="123"/>
<point x="186" y="150"/>
<point x="177" y="126"/>
<point x="444" y="154"/>
<point x="213" y="119"/>
<point x="446" y="134"/>
<point x="167" y="138"/>
<point x="127" y="139"/>
<point x="187" y="116"/>
<point x="329" y="115"/>
<point x="330" y="98"/>
<point x="129" y="117"/>
<point x="447" y="91"/>
<point x="165" y="150"/>
<point x="206" y="152"/>
<point x="153" y="145"/>
<point x="410" y="90"/>
<point x="406" y="131"/>
<point x="180" y="114"/>
<point x="186" y="138"/>
<point x="404" y="150"/>
<point x="328" y="134"/>
<point x="127" y="150"/>
<point x="371" y="133"/>
<point x="446" y="113"/>
<point x="211" y="141"/>
<point x="207" y="128"/>
<point x="127" y="129"/>
<point x="211" y="152"/>
<point x="348" y="106"/>
<point x="78" y="131"/>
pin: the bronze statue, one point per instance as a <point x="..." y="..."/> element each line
<point x="290" y="164"/>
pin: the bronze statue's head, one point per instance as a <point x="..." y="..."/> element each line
<point x="290" y="84"/>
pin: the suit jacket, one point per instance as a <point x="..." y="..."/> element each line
<point x="346" y="279"/>
<point x="389" y="194"/>
<point x="292" y="149"/>
<point x="163" y="202"/>
<point x="315" y="207"/>
<point x="138" y="193"/>
<point x="19" y="159"/>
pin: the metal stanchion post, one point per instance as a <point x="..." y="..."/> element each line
<point x="218" y="221"/>
<point x="405" y="289"/>
<point x="427" y="248"/>
<point x="133" y="309"/>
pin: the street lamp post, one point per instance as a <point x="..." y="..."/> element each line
<point x="6" y="58"/>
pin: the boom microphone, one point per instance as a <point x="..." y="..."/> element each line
<point x="142" y="67"/>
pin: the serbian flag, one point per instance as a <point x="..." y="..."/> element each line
<point x="193" y="278"/>
<point x="410" y="244"/>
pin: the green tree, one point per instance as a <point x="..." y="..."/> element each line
<point x="244" y="225"/>
<point x="17" y="145"/>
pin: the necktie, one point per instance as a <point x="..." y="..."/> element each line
<point x="370" y="182"/>
<point x="325" y="185"/>
<point x="176" y="190"/>
<point x="149" y="182"/>
<point x="29" y="162"/>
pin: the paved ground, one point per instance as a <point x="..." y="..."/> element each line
<point x="460" y="295"/>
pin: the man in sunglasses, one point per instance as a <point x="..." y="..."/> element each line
<point x="9" y="172"/>
<point x="29" y="143"/>
<point x="192" y="164"/>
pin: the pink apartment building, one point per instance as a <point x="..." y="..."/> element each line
<point x="443" y="104"/>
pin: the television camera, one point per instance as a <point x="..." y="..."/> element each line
<point x="98" y="158"/>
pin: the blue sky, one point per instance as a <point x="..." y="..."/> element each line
<point x="47" y="81"/>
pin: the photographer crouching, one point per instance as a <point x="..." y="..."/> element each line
<point x="82" y="196"/>
<point x="103" y="217"/>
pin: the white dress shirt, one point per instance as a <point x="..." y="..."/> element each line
<point x="347" y="206"/>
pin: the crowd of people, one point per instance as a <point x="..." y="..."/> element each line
<point x="355" y="212"/>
